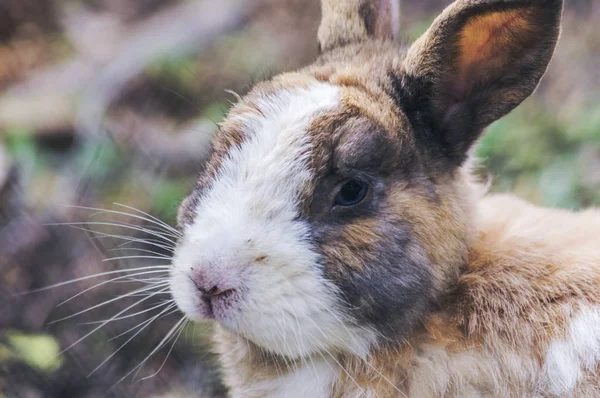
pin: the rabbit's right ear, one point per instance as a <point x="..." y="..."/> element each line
<point x="350" y="21"/>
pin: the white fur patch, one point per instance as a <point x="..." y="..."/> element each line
<point x="250" y="211"/>
<point x="568" y="359"/>
<point x="312" y="378"/>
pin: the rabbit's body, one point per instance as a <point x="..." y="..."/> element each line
<point x="340" y="241"/>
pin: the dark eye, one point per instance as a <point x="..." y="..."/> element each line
<point x="351" y="193"/>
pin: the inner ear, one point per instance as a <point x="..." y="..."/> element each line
<point x="486" y="45"/>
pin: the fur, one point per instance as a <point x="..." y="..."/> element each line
<point x="427" y="286"/>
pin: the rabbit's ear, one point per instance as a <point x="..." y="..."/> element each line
<point x="350" y="21"/>
<point x="476" y="63"/>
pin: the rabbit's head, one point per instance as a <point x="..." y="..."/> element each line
<point x="334" y="212"/>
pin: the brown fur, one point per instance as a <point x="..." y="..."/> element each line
<point x="525" y="280"/>
<point x="351" y="21"/>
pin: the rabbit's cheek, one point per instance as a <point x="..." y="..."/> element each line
<point x="383" y="274"/>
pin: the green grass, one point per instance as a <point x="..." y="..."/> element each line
<point x="542" y="156"/>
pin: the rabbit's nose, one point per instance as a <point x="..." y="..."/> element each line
<point x="219" y="291"/>
<point x="211" y="290"/>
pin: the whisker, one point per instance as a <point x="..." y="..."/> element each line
<point x="145" y="289"/>
<point x="150" y="219"/>
<point x="154" y="228"/>
<point x="97" y="275"/>
<point x="120" y="248"/>
<point x="181" y="328"/>
<point x="361" y="390"/>
<point x="158" y="347"/>
<point x="156" y="219"/>
<point x="109" y="281"/>
<point x="146" y="321"/>
<point x="125" y="343"/>
<point x="159" y="235"/>
<point x="103" y="324"/>
<point x="124" y="316"/>
<point x="129" y="239"/>
<point x="143" y="293"/>
<point x="130" y="257"/>
<point x="148" y="281"/>
<point x="363" y="360"/>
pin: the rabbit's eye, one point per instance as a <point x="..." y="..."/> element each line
<point x="351" y="193"/>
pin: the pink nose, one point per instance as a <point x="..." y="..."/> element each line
<point x="219" y="290"/>
<point x="211" y="288"/>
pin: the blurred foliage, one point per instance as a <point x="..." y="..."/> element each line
<point x="544" y="157"/>
<point x="37" y="350"/>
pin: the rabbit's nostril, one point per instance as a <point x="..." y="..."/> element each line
<point x="211" y="292"/>
<point x="215" y="290"/>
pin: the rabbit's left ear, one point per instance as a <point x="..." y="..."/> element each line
<point x="349" y="21"/>
<point x="477" y="62"/>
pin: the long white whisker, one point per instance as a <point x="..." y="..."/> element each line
<point x="146" y="229"/>
<point x="130" y="257"/>
<point x="181" y="328"/>
<point x="158" y="347"/>
<point x="112" y="280"/>
<point x="125" y="343"/>
<point x="128" y="239"/>
<point x="119" y="225"/>
<point x="147" y="281"/>
<point x="153" y="286"/>
<point x="83" y="278"/>
<point x="142" y="290"/>
<point x="171" y="306"/>
<point x="125" y="316"/>
<point x="157" y="220"/>
<point x="104" y="323"/>
<point x="364" y="361"/>
<point x="361" y="390"/>
<point x="139" y="249"/>
<point x="297" y="330"/>
<point x="163" y="342"/>
<point x="151" y="219"/>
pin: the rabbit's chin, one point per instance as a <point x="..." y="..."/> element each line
<point x="299" y="334"/>
<point x="309" y="340"/>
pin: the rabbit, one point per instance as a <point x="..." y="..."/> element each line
<point x="341" y="245"/>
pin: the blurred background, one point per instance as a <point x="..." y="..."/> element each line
<point x="116" y="101"/>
